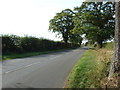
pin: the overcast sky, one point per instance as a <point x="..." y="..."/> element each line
<point x="31" y="17"/>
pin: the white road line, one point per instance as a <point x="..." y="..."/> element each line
<point x="55" y="57"/>
<point x="21" y="68"/>
<point x="29" y="65"/>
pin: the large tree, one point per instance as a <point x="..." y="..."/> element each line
<point x="96" y="21"/>
<point x="76" y="38"/>
<point x="62" y="23"/>
<point x="115" y="65"/>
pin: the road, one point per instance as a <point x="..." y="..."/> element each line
<point x="43" y="71"/>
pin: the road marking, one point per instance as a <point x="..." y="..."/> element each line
<point x="28" y="65"/>
<point x="55" y="57"/>
<point x="21" y="68"/>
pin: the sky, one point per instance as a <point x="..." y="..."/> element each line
<point x="31" y="17"/>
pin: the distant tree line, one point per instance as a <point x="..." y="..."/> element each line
<point x="16" y="44"/>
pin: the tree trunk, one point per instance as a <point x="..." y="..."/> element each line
<point x="115" y="64"/>
<point x="100" y="44"/>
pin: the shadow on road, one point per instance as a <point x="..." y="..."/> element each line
<point x="54" y="53"/>
<point x="60" y="52"/>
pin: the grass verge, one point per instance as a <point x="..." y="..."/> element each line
<point x="22" y="55"/>
<point x="90" y="70"/>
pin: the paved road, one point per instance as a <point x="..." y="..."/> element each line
<point x="43" y="71"/>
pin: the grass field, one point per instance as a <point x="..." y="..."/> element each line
<point x="90" y="70"/>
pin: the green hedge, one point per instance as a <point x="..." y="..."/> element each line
<point x="16" y="44"/>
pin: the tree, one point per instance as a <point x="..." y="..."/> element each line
<point x="62" y="24"/>
<point x="76" y="38"/>
<point x="115" y="65"/>
<point x="96" y="21"/>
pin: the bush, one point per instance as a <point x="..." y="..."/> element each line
<point x="10" y="43"/>
<point x="29" y="44"/>
<point x="16" y="44"/>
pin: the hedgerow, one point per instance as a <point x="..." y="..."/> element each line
<point x="17" y="44"/>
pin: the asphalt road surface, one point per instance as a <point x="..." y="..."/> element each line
<point x="43" y="71"/>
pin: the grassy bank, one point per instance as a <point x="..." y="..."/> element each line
<point x="109" y="46"/>
<point x="90" y="69"/>
<point x="22" y="55"/>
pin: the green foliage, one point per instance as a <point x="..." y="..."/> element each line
<point x="10" y="43"/>
<point x="15" y="44"/>
<point x="29" y="43"/>
<point x="96" y="20"/>
<point x="62" y="23"/>
<point x="76" y="38"/>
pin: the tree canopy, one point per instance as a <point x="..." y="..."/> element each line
<point x="62" y="23"/>
<point x="95" y="20"/>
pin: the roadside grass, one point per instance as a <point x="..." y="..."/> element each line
<point x="90" y="70"/>
<point x="103" y="59"/>
<point x="28" y="54"/>
<point x="109" y="46"/>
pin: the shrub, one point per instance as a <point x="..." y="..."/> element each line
<point x="10" y="43"/>
<point x="16" y="44"/>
